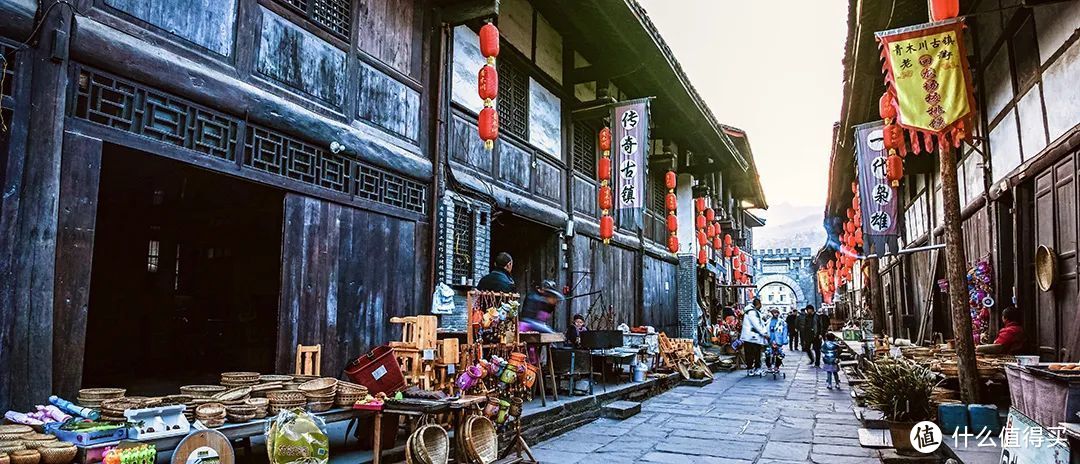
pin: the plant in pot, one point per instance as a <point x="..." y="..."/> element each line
<point x="901" y="390"/>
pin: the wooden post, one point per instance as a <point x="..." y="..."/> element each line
<point x="877" y="310"/>
<point x="954" y="272"/>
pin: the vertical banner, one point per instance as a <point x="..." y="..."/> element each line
<point x="630" y="121"/>
<point x="879" y="198"/>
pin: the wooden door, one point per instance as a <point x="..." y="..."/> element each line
<point x="1066" y="288"/>
<point x="1044" y="331"/>
<point x="345" y="272"/>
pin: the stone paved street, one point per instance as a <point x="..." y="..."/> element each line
<point x="735" y="420"/>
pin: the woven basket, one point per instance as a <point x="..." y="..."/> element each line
<point x="1045" y="268"/>
<point x="431" y="445"/>
<point x="266" y="378"/>
<point x="301" y="378"/>
<point x="210" y="411"/>
<point x="14" y="432"/>
<point x="238" y="383"/>
<point x="176" y="399"/>
<point x="11" y="447"/>
<point x="351" y="388"/>
<point x="241" y="376"/>
<point x="35" y="440"/>
<point x="320" y="406"/>
<point x="264" y="387"/>
<point x="25" y="457"/>
<point x="319" y="398"/>
<point x="240" y="418"/>
<point x="57" y="453"/>
<point x="276" y="409"/>
<point x="481" y="440"/>
<point x="320" y="386"/>
<point x="240" y="409"/>
<point x="212" y="423"/>
<point x="202" y="391"/>
<point x="346" y="400"/>
<point x="285" y="396"/>
<point x="234" y="394"/>
<point x="4" y="459"/>
<point x="408" y="451"/>
<point x="257" y="402"/>
<point x="98" y="394"/>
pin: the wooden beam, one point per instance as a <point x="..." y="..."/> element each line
<point x="456" y="12"/>
<point x="955" y="269"/>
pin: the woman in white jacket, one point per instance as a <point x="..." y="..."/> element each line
<point x="753" y="336"/>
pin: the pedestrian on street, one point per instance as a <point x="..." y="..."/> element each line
<point x="830" y="359"/>
<point x="793" y="325"/>
<point x="778" y="337"/>
<point x="753" y="336"/>
<point x="499" y="279"/>
<point x="810" y="334"/>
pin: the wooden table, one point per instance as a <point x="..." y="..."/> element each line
<point x="544" y="341"/>
<point x="455" y="407"/>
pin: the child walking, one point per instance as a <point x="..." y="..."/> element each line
<point x="830" y="360"/>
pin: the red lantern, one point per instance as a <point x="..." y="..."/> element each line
<point x="699" y="222"/>
<point x="716" y="243"/>
<point x="699" y="204"/>
<point x="603" y="168"/>
<point x="855" y="202"/>
<point x="710" y="215"/>
<point x="849" y="227"/>
<point x="489" y="40"/>
<point x="885" y="107"/>
<point x="489" y="126"/>
<point x="607" y="227"/>
<point x="670" y="180"/>
<point x="941" y="10"/>
<point x="855" y="187"/>
<point x="605" y="139"/>
<point x="851" y="213"/>
<point x="891" y="137"/>
<point x="672" y="223"/>
<point x="604" y="200"/>
<point x="671" y="202"/>
<point x="702" y="257"/>
<point x="894" y="168"/>
<point x="487" y="83"/>
<point x="673" y="243"/>
<point x="736" y="262"/>
<point x="710" y="230"/>
<point x="702" y="240"/>
<point x="831" y="264"/>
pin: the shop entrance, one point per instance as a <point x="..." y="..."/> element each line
<point x="533" y="246"/>
<point x="185" y="275"/>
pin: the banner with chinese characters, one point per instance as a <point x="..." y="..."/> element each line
<point x="630" y="121"/>
<point x="879" y="198"/>
<point x="927" y="73"/>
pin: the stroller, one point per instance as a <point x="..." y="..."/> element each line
<point x="774" y="356"/>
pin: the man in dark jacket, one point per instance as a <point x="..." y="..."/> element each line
<point x="810" y="334"/>
<point x="499" y="279"/>
<point x="793" y="328"/>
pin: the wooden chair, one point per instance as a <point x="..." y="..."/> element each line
<point x="308" y="359"/>
<point x="418" y="333"/>
<point x="449" y="354"/>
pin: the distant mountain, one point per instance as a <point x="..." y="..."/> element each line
<point x="789" y="226"/>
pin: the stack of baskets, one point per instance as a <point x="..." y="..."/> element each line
<point x="35" y="440"/>
<point x="261" y="405"/>
<point x="211" y="414"/>
<point x="239" y="413"/>
<point x="349" y="393"/>
<point x="92" y="397"/>
<point x="113" y="410"/>
<point x="281" y="400"/>
<point x="430" y="444"/>
<point x="11" y="438"/>
<point x="320" y="393"/>
<point x="24" y="457"/>
<point x="479" y="440"/>
<point x="233" y="396"/>
<point x="239" y="379"/>
<point x="57" y="452"/>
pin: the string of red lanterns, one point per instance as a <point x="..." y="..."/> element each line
<point x="603" y="173"/>
<point x="702" y="237"/>
<point x="487" y="85"/>
<point x="671" y="202"/>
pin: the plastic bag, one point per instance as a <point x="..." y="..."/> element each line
<point x="297" y="436"/>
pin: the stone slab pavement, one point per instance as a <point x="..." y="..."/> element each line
<point x="736" y="420"/>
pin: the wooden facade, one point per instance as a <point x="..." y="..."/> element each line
<point x="1017" y="185"/>
<point x="334" y="130"/>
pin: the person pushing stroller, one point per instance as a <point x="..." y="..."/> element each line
<point x="778" y="337"/>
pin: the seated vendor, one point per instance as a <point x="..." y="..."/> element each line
<point x="538" y="307"/>
<point x="1010" y="339"/>
<point x="573" y="333"/>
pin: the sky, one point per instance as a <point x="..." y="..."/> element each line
<point x="772" y="68"/>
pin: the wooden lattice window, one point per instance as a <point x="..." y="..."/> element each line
<point x="463" y="244"/>
<point x="333" y="15"/>
<point x="657" y="193"/>
<point x="585" y="135"/>
<point x="513" y="101"/>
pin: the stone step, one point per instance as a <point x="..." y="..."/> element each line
<point x="696" y="382"/>
<point x="620" y="409"/>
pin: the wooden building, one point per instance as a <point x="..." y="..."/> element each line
<point x="198" y="186"/>
<point x="1017" y="187"/>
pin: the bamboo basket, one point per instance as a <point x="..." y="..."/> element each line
<point x="320" y="406"/>
<point x="35" y="440"/>
<point x="285" y="396"/>
<point x="210" y="411"/>
<point x="347" y="400"/>
<point x="408" y="451"/>
<point x="14" y="432"/>
<point x="11" y="447"/>
<point x="25" y="457"/>
<point x="320" y="386"/>
<point x="238" y="393"/>
<point x="480" y="440"/>
<point x="431" y="445"/>
<point x="267" y="378"/>
<point x="348" y="388"/>
<point x="98" y="394"/>
<point x="276" y="409"/>
<point x="241" y="376"/>
<point x="202" y="391"/>
<point x="4" y="459"/>
<point x="57" y="453"/>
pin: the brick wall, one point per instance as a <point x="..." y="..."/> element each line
<point x="481" y="253"/>
<point x="686" y="285"/>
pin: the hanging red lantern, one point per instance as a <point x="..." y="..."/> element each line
<point x="605" y="199"/>
<point x="702" y="240"/>
<point x="858" y="237"/>
<point x="607" y="228"/>
<point x="489" y="127"/>
<point x="489" y="40"/>
<point x="702" y="257"/>
<point x="672" y="223"/>
<point x="891" y="137"/>
<point x="717" y="244"/>
<point x="941" y="10"/>
<point x="894" y="168"/>
<point x="831" y="264"/>
<point x="849" y="227"/>
<point x="487" y="83"/>
<point x="727" y="251"/>
<point x="670" y="180"/>
<point x="727" y="239"/>
<point x="851" y="213"/>
<point x="736" y="262"/>
<point x="699" y="222"/>
<point x="855" y="188"/>
<point x="671" y="202"/>
<point x="710" y="230"/>
<point x="603" y="168"/>
<point x="699" y="204"/>
<point x="605" y="139"/>
<point x="673" y="243"/>
<point x="710" y="215"/>
<point x="885" y="108"/>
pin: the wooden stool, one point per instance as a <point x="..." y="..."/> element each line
<point x="418" y="333"/>
<point x="308" y="359"/>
